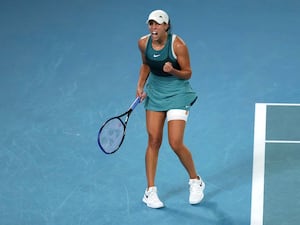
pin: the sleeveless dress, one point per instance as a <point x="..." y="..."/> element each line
<point x="165" y="91"/>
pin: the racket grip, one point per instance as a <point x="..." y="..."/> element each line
<point x="135" y="103"/>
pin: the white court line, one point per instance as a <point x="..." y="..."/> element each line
<point x="280" y="104"/>
<point x="282" y="141"/>
<point x="258" y="173"/>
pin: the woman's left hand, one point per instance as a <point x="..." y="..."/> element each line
<point x="168" y="68"/>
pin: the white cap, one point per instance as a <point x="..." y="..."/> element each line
<point x="158" y="16"/>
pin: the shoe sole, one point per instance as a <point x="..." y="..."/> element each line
<point x="157" y="207"/>
<point x="197" y="202"/>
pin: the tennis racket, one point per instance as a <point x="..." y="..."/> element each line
<point x="112" y="133"/>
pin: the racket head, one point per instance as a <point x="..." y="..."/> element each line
<point x="111" y="135"/>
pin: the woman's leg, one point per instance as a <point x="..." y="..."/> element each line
<point x="176" y="135"/>
<point x="155" y="124"/>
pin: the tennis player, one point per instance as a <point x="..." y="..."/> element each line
<point x="164" y="86"/>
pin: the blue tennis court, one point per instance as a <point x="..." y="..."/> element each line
<point x="67" y="66"/>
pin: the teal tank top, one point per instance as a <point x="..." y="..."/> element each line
<point x="166" y="91"/>
<point x="156" y="59"/>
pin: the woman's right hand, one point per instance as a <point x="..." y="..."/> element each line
<point x="140" y="93"/>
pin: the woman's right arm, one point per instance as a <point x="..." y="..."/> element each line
<point x="144" y="70"/>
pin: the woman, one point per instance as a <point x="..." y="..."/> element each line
<point x="163" y="85"/>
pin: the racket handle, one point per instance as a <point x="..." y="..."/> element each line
<point x="135" y="103"/>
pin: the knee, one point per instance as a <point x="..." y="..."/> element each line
<point x="154" y="142"/>
<point x="176" y="145"/>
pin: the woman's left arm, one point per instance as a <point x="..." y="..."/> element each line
<point x="183" y="60"/>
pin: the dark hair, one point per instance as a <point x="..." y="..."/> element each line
<point x="169" y="28"/>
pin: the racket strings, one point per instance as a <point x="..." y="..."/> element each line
<point x="111" y="135"/>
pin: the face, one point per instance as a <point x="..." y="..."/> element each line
<point x="157" y="30"/>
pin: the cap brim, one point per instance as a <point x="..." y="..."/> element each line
<point x="155" y="20"/>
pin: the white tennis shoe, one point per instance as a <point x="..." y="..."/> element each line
<point x="196" y="191"/>
<point x="151" y="198"/>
